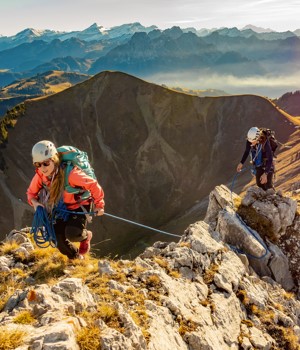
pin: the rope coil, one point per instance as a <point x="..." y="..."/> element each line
<point x="42" y="229"/>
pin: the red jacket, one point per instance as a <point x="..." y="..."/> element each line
<point x="77" y="178"/>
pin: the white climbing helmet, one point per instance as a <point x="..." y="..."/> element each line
<point x="253" y="134"/>
<point x="43" y="150"/>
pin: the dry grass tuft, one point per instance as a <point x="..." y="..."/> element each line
<point x="288" y="295"/>
<point x="99" y="286"/>
<point x="49" y="264"/>
<point x="84" y="268"/>
<point x="248" y="323"/>
<point x="185" y="244"/>
<point x="8" y="285"/>
<point x="285" y="337"/>
<point x="24" y="317"/>
<point x="138" y="269"/>
<point x="163" y="263"/>
<point x="242" y="295"/>
<point x="210" y="273"/>
<point x="88" y="338"/>
<point x="153" y="281"/>
<point x="174" y="274"/>
<point x="266" y="316"/>
<point x="10" y="339"/>
<point x="237" y="201"/>
<point x="155" y="296"/>
<point x="110" y="315"/>
<point x="187" y="326"/>
<point x="8" y="248"/>
<point x="205" y="302"/>
<point x="107" y="312"/>
<point x="48" y="271"/>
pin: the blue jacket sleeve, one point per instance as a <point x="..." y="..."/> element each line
<point x="246" y="153"/>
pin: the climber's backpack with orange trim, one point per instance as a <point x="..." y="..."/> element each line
<point x="72" y="156"/>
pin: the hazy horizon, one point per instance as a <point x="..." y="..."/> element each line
<point x="272" y="87"/>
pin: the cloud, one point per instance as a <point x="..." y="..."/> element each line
<point x="191" y="21"/>
<point x="199" y="80"/>
<point x="74" y="15"/>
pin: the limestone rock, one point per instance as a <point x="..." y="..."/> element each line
<point x="219" y="198"/>
<point x="279" y="210"/>
<point x="192" y="295"/>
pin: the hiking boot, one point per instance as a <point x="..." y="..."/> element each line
<point x="85" y="245"/>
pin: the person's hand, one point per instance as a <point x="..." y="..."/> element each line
<point x="36" y="203"/>
<point x="239" y="167"/>
<point x="99" y="211"/>
<point x="264" y="179"/>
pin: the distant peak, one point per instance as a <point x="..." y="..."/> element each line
<point x="27" y="30"/>
<point x="95" y="26"/>
<point x="258" y="29"/>
<point x="93" y="29"/>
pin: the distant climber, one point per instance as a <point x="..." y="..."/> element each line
<point x="48" y="189"/>
<point x="259" y="148"/>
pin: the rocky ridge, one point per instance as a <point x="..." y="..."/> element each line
<point x="193" y="294"/>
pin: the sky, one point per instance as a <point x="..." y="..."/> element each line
<point x="69" y="15"/>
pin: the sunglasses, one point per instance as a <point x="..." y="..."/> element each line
<point x="45" y="163"/>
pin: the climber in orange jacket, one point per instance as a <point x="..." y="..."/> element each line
<point x="47" y="189"/>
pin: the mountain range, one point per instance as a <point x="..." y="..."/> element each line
<point x="99" y="33"/>
<point x="151" y="53"/>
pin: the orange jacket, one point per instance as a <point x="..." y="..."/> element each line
<point x="77" y="178"/>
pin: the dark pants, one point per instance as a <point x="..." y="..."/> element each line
<point x="269" y="184"/>
<point x="72" y="230"/>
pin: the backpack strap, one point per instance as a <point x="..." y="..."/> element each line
<point x="68" y="167"/>
<point x="83" y="194"/>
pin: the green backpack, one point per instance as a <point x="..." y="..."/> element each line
<point x="72" y="156"/>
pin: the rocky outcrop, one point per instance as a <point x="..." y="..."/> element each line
<point x="195" y="294"/>
<point x="257" y="230"/>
